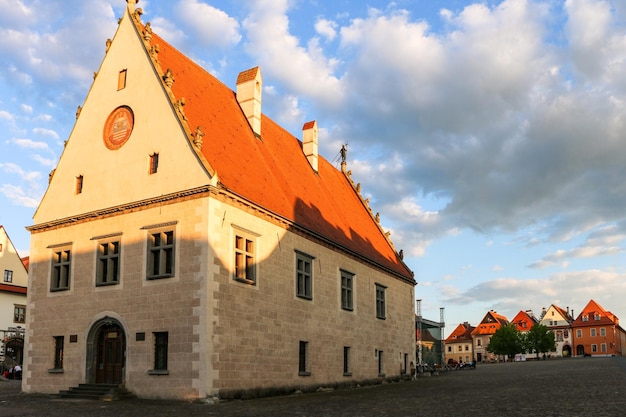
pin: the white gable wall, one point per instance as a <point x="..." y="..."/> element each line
<point x="114" y="177"/>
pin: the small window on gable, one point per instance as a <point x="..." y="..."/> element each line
<point x="121" y="80"/>
<point x="154" y="163"/>
<point x="79" y="184"/>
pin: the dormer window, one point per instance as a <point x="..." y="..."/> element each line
<point x="121" y="80"/>
<point x="596" y="317"/>
<point x="585" y="318"/>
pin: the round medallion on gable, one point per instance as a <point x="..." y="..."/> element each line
<point x="118" y="127"/>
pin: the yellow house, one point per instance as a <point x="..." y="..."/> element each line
<point x="13" y="288"/>
<point x="189" y="247"/>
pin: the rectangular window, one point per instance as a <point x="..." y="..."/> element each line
<point x="58" y="352"/>
<point x="8" y="275"/>
<point x="602" y="331"/>
<point x="154" y="163"/>
<point x="405" y="364"/>
<point x="466" y="348"/>
<point x="244" y="259"/>
<point x="304" y="276"/>
<point x="303" y="359"/>
<point x="585" y="318"/>
<point x="347" y="280"/>
<point x="61" y="262"/>
<point x="450" y="349"/>
<point x="161" y="254"/>
<point x="346" y="361"/>
<point x="19" y="314"/>
<point x="596" y="317"/>
<point x="160" y="351"/>
<point x="108" y="268"/>
<point x="579" y="333"/>
<point x="380" y="301"/>
<point x="479" y="342"/>
<point x="380" y="364"/>
<point x="594" y="348"/>
<point x="592" y="332"/>
<point x="79" y="184"/>
<point x="603" y="347"/>
<point x="121" y="80"/>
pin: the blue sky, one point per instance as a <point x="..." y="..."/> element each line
<point x="491" y="136"/>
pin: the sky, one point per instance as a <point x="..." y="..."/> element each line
<point x="490" y="135"/>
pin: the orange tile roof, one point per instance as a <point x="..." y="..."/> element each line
<point x="272" y="171"/>
<point x="463" y="332"/>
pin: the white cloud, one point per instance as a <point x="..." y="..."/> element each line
<point x="326" y="28"/>
<point x="18" y="197"/>
<point x="304" y="71"/>
<point x="207" y="25"/>
<point x="26" y="108"/>
<point x="30" y="144"/>
<point x="45" y="132"/>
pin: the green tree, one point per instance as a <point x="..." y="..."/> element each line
<point x="506" y="341"/>
<point x="540" y="339"/>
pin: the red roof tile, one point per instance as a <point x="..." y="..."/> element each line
<point x="272" y="171"/>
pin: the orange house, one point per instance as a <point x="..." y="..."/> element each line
<point x="597" y="332"/>
<point x="481" y="335"/>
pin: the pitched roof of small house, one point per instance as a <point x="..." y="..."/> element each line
<point x="270" y="170"/>
<point x="463" y="332"/>
<point x="523" y="321"/>
<point x="490" y="324"/>
<point x="594" y="314"/>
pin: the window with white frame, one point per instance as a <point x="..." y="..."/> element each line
<point x="8" y="275"/>
<point x="602" y="331"/>
<point x="592" y="332"/>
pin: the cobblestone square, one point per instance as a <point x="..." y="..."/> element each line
<point x="559" y="387"/>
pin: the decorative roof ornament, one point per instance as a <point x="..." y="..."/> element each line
<point x="168" y="78"/>
<point x="344" y="155"/>
<point x="78" y="110"/>
<point x="147" y="32"/>
<point x="154" y="51"/>
<point x="108" y="45"/>
<point x="197" y="141"/>
<point x="179" y="106"/>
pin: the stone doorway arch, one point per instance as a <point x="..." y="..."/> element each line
<point x="106" y="352"/>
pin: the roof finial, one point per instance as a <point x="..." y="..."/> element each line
<point x="131" y="4"/>
<point x="344" y="154"/>
<point x="198" y="137"/>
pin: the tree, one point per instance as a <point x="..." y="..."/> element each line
<point x="541" y="339"/>
<point x="506" y="341"/>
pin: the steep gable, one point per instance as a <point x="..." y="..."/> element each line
<point x="524" y="321"/>
<point x="490" y="324"/>
<point x="126" y="119"/>
<point x="594" y="314"/>
<point x="11" y="261"/>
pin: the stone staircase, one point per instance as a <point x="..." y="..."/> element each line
<point x="102" y="392"/>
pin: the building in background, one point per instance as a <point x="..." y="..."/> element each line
<point x="481" y="335"/>
<point x="13" y="291"/>
<point x="459" y="346"/>
<point x="189" y="247"/>
<point x="559" y="321"/>
<point x="597" y="332"/>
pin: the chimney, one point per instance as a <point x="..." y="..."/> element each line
<point x="249" y="84"/>
<point x="309" y="143"/>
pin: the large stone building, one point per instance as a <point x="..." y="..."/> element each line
<point x="188" y="247"/>
<point x="13" y="288"/>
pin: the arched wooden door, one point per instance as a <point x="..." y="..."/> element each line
<point x="110" y="354"/>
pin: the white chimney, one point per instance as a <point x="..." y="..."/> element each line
<point x="309" y="142"/>
<point x="249" y="85"/>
